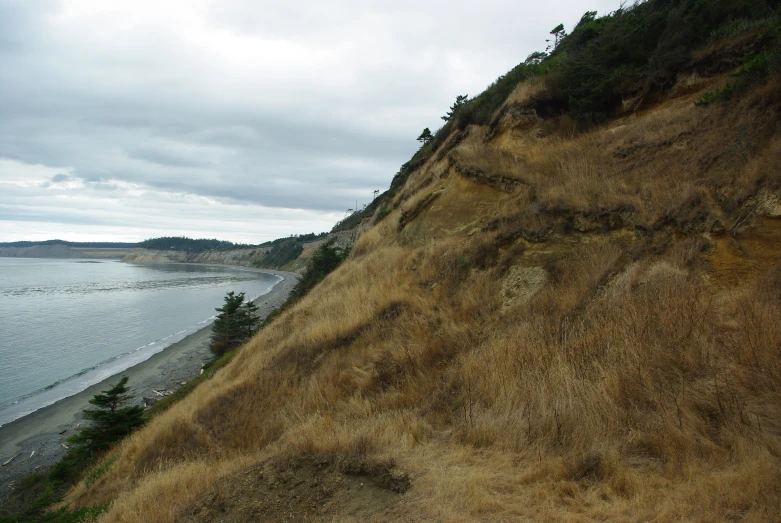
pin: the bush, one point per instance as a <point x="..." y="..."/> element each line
<point x="327" y="258"/>
<point x="755" y="69"/>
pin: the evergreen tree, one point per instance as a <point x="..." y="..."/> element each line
<point x="426" y="136"/>
<point x="461" y="99"/>
<point x="235" y="323"/>
<point x="326" y="258"/>
<point x="111" y="421"/>
<point x="558" y="33"/>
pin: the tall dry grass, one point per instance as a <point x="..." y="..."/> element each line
<point x="627" y="386"/>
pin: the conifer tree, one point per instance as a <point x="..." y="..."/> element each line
<point x="461" y="99"/>
<point x="111" y="421"/>
<point x="235" y="323"/>
<point x="426" y="136"/>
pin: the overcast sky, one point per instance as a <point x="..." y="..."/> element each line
<point x="236" y="119"/>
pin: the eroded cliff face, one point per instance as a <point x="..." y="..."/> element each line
<point x="38" y="251"/>
<point x="242" y="257"/>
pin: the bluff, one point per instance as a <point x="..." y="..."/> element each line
<point x="38" y="251"/>
<point x="246" y="257"/>
<point x="566" y="307"/>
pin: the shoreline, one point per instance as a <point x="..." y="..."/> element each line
<point x="44" y="431"/>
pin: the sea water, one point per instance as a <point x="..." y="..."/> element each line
<point x="68" y="324"/>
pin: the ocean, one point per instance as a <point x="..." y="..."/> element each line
<point x="68" y="324"/>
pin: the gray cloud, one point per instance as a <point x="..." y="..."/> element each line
<point x="294" y="105"/>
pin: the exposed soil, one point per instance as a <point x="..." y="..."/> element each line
<point x="313" y="488"/>
<point x="748" y="254"/>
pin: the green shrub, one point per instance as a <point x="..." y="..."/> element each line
<point x="327" y="258"/>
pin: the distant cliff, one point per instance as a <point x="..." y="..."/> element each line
<point x="38" y="251"/>
<point x="64" y="249"/>
<point x="250" y="257"/>
<point x="244" y="257"/>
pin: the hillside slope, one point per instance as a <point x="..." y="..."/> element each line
<point x="548" y="324"/>
<point x="261" y="257"/>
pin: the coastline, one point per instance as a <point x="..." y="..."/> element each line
<point x="44" y="431"/>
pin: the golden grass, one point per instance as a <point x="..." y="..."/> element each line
<point x="527" y="91"/>
<point x="628" y="384"/>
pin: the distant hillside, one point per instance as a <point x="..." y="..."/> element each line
<point x="89" y="245"/>
<point x="64" y="249"/>
<point x="290" y="253"/>
<point x="189" y="245"/>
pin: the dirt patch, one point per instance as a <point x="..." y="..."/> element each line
<point x="313" y="488"/>
<point x="769" y="203"/>
<point x="459" y="208"/>
<point x="521" y="283"/>
<point x="746" y="256"/>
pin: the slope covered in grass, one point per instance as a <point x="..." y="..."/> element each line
<point x="545" y="323"/>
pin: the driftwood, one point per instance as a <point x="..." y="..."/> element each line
<point x="10" y="460"/>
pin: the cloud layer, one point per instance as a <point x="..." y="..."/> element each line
<point x="235" y="119"/>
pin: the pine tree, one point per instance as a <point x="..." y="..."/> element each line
<point x="461" y="99"/>
<point x="426" y="136"/>
<point x="111" y="421"/>
<point x="235" y="323"/>
<point x="558" y="33"/>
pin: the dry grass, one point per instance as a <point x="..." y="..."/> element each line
<point x="526" y="91"/>
<point x="630" y="382"/>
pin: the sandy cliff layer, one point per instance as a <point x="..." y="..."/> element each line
<point x="243" y="257"/>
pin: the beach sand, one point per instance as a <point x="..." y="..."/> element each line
<point x="44" y="431"/>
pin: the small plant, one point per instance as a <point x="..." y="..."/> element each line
<point x="755" y="68"/>
<point x="718" y="95"/>
<point x="739" y="26"/>
<point x="382" y="213"/>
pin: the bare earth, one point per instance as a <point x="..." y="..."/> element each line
<point x="44" y="432"/>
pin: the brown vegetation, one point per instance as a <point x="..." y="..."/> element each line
<point x="599" y="341"/>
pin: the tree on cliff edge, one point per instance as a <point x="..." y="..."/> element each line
<point x="235" y="323"/>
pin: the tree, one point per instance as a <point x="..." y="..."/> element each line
<point x="235" y="323"/>
<point x="460" y="101"/>
<point x="111" y="421"/>
<point x="326" y="258"/>
<point x="424" y="137"/>
<point x="535" y="58"/>
<point x="558" y="33"/>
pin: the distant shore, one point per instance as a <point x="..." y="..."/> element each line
<point x="43" y="432"/>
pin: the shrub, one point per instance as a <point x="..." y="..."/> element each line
<point x="327" y="258"/>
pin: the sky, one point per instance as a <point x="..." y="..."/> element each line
<point x="242" y="120"/>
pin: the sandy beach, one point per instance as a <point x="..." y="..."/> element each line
<point x="36" y="440"/>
